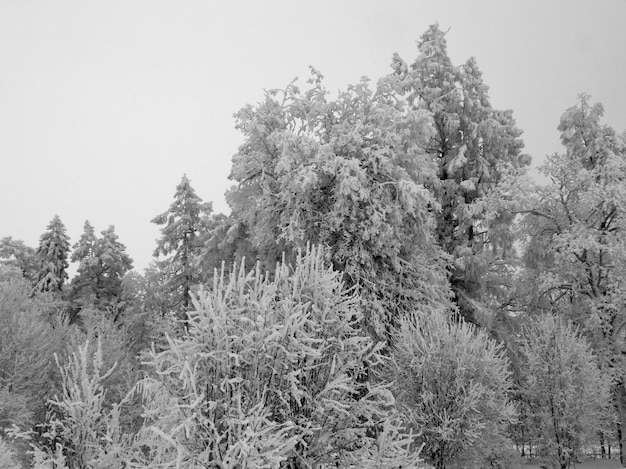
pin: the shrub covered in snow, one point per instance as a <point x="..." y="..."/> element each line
<point x="453" y="382"/>
<point x="274" y="371"/>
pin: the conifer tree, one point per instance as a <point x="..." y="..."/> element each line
<point x="114" y="263"/>
<point x="477" y="150"/>
<point x="103" y="262"/>
<point x="53" y="252"/>
<point x="181" y="239"/>
<point x="83" y="284"/>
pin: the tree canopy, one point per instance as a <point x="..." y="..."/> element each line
<point x="477" y="152"/>
<point x="350" y="174"/>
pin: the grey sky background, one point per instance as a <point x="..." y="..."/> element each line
<point x="104" y="105"/>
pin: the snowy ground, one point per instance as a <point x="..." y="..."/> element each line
<point x="590" y="464"/>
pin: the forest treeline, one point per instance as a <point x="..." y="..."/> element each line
<point x="390" y="289"/>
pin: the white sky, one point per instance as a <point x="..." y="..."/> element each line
<point x="105" y="104"/>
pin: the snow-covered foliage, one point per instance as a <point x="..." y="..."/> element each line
<point x="8" y="457"/>
<point x="16" y="256"/>
<point x="575" y="250"/>
<point x="454" y="385"/>
<point x="81" y="432"/>
<point x="350" y="174"/>
<point x="84" y="252"/>
<point x="103" y="262"/>
<point x="479" y="177"/>
<point x="275" y="370"/>
<point x="53" y="251"/>
<point x="566" y="397"/>
<point x="181" y="242"/>
<point x="32" y="329"/>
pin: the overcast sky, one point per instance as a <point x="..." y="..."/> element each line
<point x="104" y="105"/>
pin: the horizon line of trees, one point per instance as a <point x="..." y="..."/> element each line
<point x="389" y="290"/>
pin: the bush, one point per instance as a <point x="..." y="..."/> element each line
<point x="566" y="397"/>
<point x="8" y="458"/>
<point x="32" y="329"/>
<point x="273" y="372"/>
<point x="454" y="384"/>
<point x="81" y="431"/>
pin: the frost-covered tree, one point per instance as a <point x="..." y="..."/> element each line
<point x="8" y="457"/>
<point x="566" y="395"/>
<point x="32" y="330"/>
<point x="181" y="242"/>
<point x="53" y="251"/>
<point x="454" y="385"/>
<point x="576" y="244"/>
<point x="477" y="150"/>
<point x="272" y="373"/>
<point x="84" y="252"/>
<point x="103" y="262"/>
<point x="81" y="430"/>
<point x="114" y="262"/>
<point x="15" y="254"/>
<point x="347" y="173"/>
<point x="576" y="248"/>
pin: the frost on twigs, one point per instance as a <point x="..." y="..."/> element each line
<point x="454" y="385"/>
<point x="80" y="430"/>
<point x="566" y="398"/>
<point x="274" y="372"/>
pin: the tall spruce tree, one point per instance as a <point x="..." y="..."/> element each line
<point x="478" y="154"/>
<point x="53" y="252"/>
<point x="181" y="240"/>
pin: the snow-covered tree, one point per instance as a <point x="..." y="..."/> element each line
<point x="576" y="248"/>
<point x="181" y="242"/>
<point x="103" y="262"/>
<point x="53" y="251"/>
<point x="273" y="373"/>
<point x="114" y="262"/>
<point x="84" y="252"/>
<point x="15" y="254"/>
<point x="454" y="385"/>
<point x="81" y="430"/>
<point x="477" y="150"/>
<point x="566" y="395"/>
<point x="8" y="457"/>
<point x="347" y="173"/>
<point x="32" y="330"/>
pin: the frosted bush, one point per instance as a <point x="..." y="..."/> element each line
<point x="454" y="384"/>
<point x="273" y="372"/>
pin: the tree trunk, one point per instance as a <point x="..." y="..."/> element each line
<point x="619" y="396"/>
<point x="602" y="448"/>
<point x="621" y="446"/>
